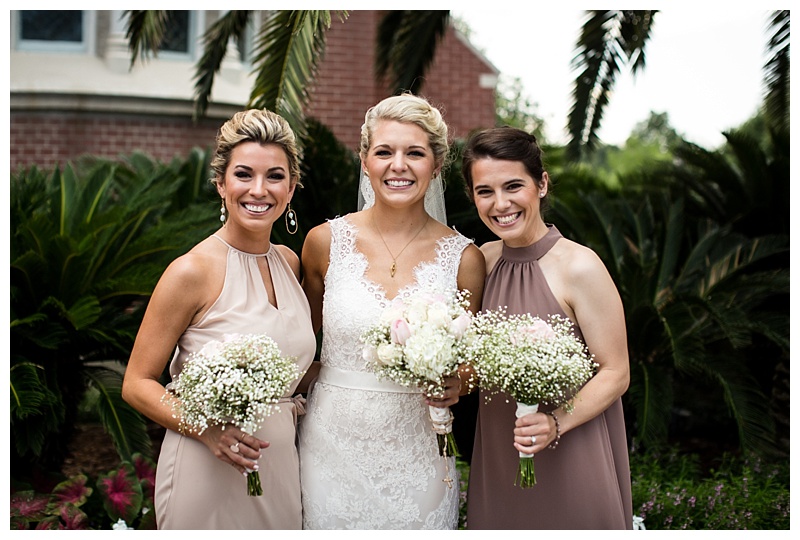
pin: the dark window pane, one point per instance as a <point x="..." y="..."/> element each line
<point x="52" y="25"/>
<point x="176" y="38"/>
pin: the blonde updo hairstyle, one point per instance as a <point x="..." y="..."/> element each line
<point x="255" y="125"/>
<point x="410" y="109"/>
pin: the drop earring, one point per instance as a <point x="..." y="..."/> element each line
<point x="222" y="212"/>
<point x="291" y="219"/>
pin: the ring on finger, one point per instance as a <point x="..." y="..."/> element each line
<point x="533" y="440"/>
<point x="235" y="448"/>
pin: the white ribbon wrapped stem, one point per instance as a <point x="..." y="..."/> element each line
<point x="442" y="419"/>
<point x="523" y="410"/>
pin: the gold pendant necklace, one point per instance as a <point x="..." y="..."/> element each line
<point x="393" y="269"/>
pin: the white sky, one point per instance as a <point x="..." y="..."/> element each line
<point x="704" y="66"/>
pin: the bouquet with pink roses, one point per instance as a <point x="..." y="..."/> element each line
<point x="418" y="342"/>
<point x="531" y="360"/>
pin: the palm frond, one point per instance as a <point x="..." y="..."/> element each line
<point x="634" y="34"/>
<point x="651" y="396"/>
<point x="230" y="26"/>
<point x="289" y="48"/>
<point x="406" y="44"/>
<point x="673" y="239"/>
<point x="609" y="40"/>
<point x="777" y="71"/>
<point x="734" y="256"/>
<point x="753" y="169"/>
<point x="388" y="28"/>
<point x="611" y="242"/>
<point x="747" y="404"/>
<point x="145" y="31"/>
<point x="126" y="426"/>
<point x="35" y="408"/>
<point x="29" y="392"/>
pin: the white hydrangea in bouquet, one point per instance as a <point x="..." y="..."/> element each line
<point x="417" y="343"/>
<point x="234" y="381"/>
<point x="532" y="360"/>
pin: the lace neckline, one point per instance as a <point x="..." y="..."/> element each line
<point x="237" y="250"/>
<point x="405" y="290"/>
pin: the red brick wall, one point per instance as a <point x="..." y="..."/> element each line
<point x="48" y="138"/>
<point x="453" y="84"/>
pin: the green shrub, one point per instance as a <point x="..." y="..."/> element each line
<point x="671" y="492"/>
<point x="87" y="247"/>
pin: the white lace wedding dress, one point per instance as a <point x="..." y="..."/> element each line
<point x="368" y="455"/>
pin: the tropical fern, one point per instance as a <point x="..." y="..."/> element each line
<point x="87" y="247"/>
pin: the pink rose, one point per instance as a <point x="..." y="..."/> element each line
<point x="460" y="325"/>
<point x="400" y="331"/>
<point x="539" y="330"/>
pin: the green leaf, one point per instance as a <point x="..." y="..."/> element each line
<point x="29" y="392"/>
<point x="126" y="426"/>
<point x="145" y="31"/>
<point x="231" y="26"/>
<point x="288" y="50"/>
<point x="609" y="40"/>
<point x="406" y="43"/>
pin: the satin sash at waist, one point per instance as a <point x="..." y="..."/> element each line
<point x="361" y="380"/>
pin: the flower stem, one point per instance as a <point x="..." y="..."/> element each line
<point x="526" y="477"/>
<point x="447" y="445"/>
<point x="254" y="484"/>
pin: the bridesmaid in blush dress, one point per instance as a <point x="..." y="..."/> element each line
<point x="582" y="471"/>
<point x="234" y="282"/>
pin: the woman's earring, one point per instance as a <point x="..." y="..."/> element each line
<point x="541" y="194"/>
<point x="222" y="211"/>
<point x="291" y="219"/>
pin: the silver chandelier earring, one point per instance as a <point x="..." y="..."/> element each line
<point x="291" y="219"/>
<point x="222" y="212"/>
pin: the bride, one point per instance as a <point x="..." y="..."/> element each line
<point x="369" y="456"/>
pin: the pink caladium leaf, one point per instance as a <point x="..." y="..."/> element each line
<point x="145" y="467"/>
<point x="52" y="523"/>
<point x="19" y="524"/>
<point x="73" y="490"/>
<point x="29" y="505"/>
<point x="122" y="493"/>
<point x="148" y="491"/>
<point x="73" y="518"/>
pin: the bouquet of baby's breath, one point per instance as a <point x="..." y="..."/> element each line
<point x="417" y="343"/>
<point x="234" y="381"/>
<point x="533" y="361"/>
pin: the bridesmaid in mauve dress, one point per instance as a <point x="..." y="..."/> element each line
<point x="582" y="470"/>
<point x="234" y="282"/>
